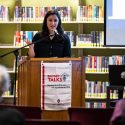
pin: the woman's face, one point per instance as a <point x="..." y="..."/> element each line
<point x="52" y="23"/>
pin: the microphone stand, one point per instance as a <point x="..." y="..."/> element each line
<point x="16" y="53"/>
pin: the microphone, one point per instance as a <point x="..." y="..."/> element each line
<point x="56" y="32"/>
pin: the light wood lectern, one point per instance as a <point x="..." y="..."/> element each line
<point x="29" y="79"/>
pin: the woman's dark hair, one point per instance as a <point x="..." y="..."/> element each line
<point x="45" y="31"/>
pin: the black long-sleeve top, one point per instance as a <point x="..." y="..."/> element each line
<point x="59" y="46"/>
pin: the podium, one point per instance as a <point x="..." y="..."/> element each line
<point x="29" y="85"/>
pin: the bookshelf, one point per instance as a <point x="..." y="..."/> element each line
<point x="97" y="51"/>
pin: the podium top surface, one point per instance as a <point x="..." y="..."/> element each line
<point x="56" y="59"/>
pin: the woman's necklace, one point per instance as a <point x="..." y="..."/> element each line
<point x="51" y="36"/>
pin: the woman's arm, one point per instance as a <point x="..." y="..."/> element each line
<point x="31" y="51"/>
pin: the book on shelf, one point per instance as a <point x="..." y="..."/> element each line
<point x="4" y="13"/>
<point x="17" y="39"/>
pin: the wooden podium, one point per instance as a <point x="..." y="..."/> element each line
<point x="29" y="84"/>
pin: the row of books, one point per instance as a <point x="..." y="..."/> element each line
<point x="95" y="89"/>
<point x="21" y="37"/>
<point x="95" y="104"/>
<point x="90" y="13"/>
<point x="37" y="13"/>
<point x="100" y="63"/>
<point x="113" y="95"/>
<point x="94" y="39"/>
<point x="98" y="90"/>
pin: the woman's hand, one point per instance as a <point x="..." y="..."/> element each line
<point x="28" y="43"/>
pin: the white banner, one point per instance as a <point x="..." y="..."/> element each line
<point x="56" y="89"/>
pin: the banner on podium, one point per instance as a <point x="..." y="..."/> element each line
<point x="56" y="86"/>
